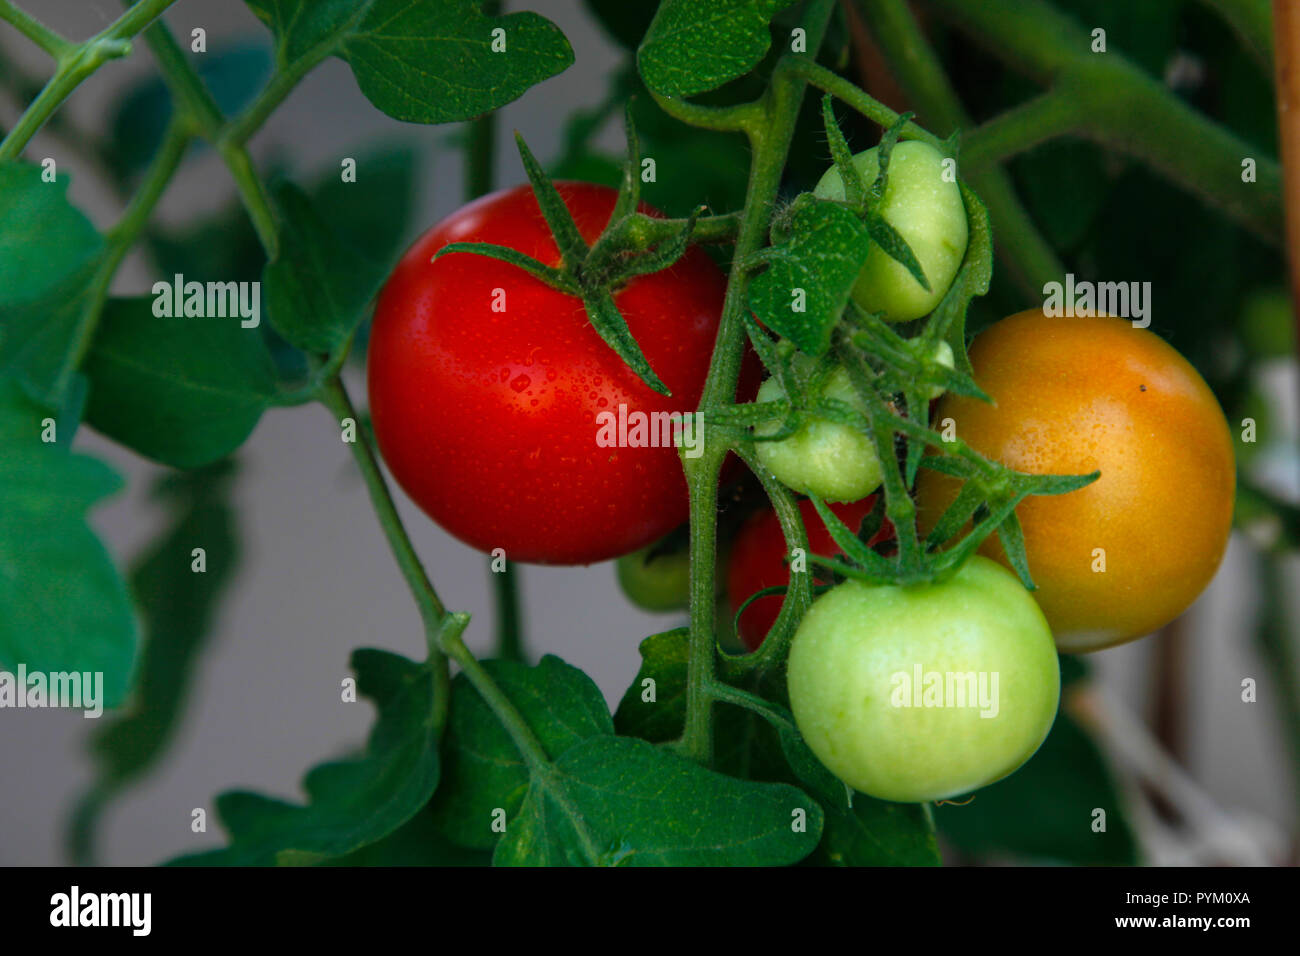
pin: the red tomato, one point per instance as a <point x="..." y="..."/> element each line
<point x="485" y="386"/>
<point x="759" y="560"/>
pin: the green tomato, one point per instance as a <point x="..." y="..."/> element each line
<point x="926" y="209"/>
<point x="823" y="458"/>
<point x="943" y="356"/>
<point x="925" y="692"/>
<point x="655" y="580"/>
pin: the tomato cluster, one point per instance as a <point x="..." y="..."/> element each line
<point x="486" y="385"/>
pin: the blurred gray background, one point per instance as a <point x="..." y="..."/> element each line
<point x="317" y="579"/>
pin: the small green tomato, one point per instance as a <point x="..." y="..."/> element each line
<point x="923" y="693"/>
<point x="823" y="458"/>
<point x="925" y="206"/>
<point x="656" y="581"/>
<point x="943" y="356"/>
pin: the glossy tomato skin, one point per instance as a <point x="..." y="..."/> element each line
<point x="758" y="560"/>
<point x="1085" y="393"/>
<point x="485" y="386"/>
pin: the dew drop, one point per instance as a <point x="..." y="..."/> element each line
<point x="520" y="382"/>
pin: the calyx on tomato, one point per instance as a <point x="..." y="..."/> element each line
<point x="633" y="244"/>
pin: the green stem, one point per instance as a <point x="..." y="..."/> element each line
<point x="728" y="694"/>
<point x="510" y="638"/>
<point x="197" y="104"/>
<point x="1127" y="110"/>
<point x="798" y="597"/>
<point x="866" y="104"/>
<point x="1045" y="117"/>
<point x="480" y="155"/>
<point x="335" y="397"/>
<point x="770" y="126"/>
<point x="433" y="613"/>
<point x="743" y="117"/>
<point x="45" y="38"/>
<point x="1028" y="257"/>
<point x="75" y="63"/>
<point x="122" y="236"/>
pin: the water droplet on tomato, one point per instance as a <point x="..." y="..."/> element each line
<point x="520" y="382"/>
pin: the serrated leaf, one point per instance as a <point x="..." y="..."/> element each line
<point x="483" y="770"/>
<point x="1044" y="811"/>
<point x="664" y="660"/>
<point x="184" y="391"/>
<point x="48" y="254"/>
<point x="421" y="62"/>
<point x="43" y="237"/>
<point x="318" y="288"/>
<point x="65" y="605"/>
<point x="822" y="259"/>
<point x="691" y="47"/>
<point x="177" y="607"/>
<point x="352" y="803"/>
<point x="619" y="801"/>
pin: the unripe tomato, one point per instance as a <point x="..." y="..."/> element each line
<point x="926" y="692"/>
<point x="943" y="356"/>
<point x="823" y="458"/>
<point x="759" y="559"/>
<point x="656" y="580"/>
<point x="1126" y="554"/>
<point x="485" y="386"/>
<point x="925" y="207"/>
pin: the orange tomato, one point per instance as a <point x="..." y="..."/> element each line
<point x="1128" y="553"/>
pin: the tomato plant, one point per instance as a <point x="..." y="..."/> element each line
<point x="922" y="693"/>
<point x="1077" y="394"/>
<point x="566" y="371"/>
<point x="760" y="559"/>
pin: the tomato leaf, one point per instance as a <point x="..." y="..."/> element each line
<point x="861" y="830"/>
<point x="421" y="62"/>
<point x="664" y="659"/>
<point x="483" y="771"/>
<point x="806" y="286"/>
<point x="66" y="606"/>
<point x="691" y="47"/>
<point x="351" y="803"/>
<point x="177" y="607"/>
<point x="184" y="391"/>
<point x="318" y="288"/>
<point x="48" y="253"/>
<point x="634" y="804"/>
<point x="417" y="842"/>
